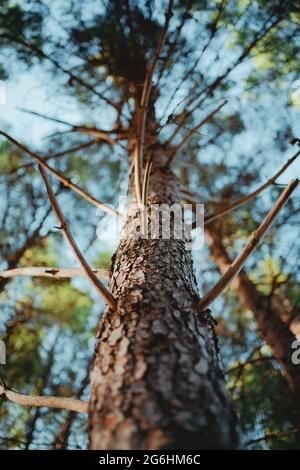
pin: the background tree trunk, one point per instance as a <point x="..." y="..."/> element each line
<point x="156" y="381"/>
<point x="270" y="317"/>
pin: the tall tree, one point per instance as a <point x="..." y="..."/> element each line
<point x="156" y="381"/>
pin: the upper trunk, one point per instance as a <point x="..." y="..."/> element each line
<point x="156" y="381"/>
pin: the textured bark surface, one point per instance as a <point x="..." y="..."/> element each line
<point x="270" y="317"/>
<point x="156" y="380"/>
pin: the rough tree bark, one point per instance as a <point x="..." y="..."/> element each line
<point x="269" y="316"/>
<point x="156" y="381"/>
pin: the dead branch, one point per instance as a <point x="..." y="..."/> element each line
<point x="145" y="190"/>
<point x="54" y="156"/>
<point x="190" y="196"/>
<point x="195" y="129"/>
<point x="105" y="294"/>
<point x="44" y="116"/>
<point x="67" y="182"/>
<point x="252" y="195"/>
<point x="101" y="134"/>
<point x="52" y="272"/>
<point x="152" y="66"/>
<point x="146" y="181"/>
<point x="196" y="100"/>
<point x="69" y="73"/>
<point x="40" y="401"/>
<point x="190" y="71"/>
<point x="174" y="42"/>
<point x="251" y="246"/>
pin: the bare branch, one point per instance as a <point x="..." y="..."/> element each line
<point x="105" y="294"/>
<point x="52" y="272"/>
<point x="146" y="181"/>
<point x="195" y="129"/>
<point x="196" y="99"/>
<point x="143" y="106"/>
<point x="101" y="134"/>
<point x="190" y="71"/>
<point x="137" y="172"/>
<point x="192" y="196"/>
<point x="240" y="202"/>
<point x="251" y="246"/>
<point x="173" y="42"/>
<point x="40" y="53"/>
<point x="44" y="116"/>
<point x="40" y="401"/>
<point x="67" y="182"/>
<point x="54" y="156"/>
<point x="153" y="63"/>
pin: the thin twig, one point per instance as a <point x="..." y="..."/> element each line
<point x="40" y="401"/>
<point x="146" y="181"/>
<point x="52" y="272"/>
<point x="251" y="246"/>
<point x="44" y="116"/>
<point x="40" y="53"/>
<point x="192" y="196"/>
<point x="57" y="155"/>
<point x="209" y="89"/>
<point x="195" y="129"/>
<point x="190" y="71"/>
<point x="107" y="296"/>
<point x="99" y="133"/>
<point x="252" y="195"/>
<point x="151" y="69"/>
<point x="60" y="177"/>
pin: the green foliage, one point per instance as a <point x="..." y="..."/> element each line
<point x="22" y="353"/>
<point x="264" y="403"/>
<point x="9" y="158"/>
<point x="22" y="22"/>
<point x="121" y="41"/>
<point x="44" y="254"/>
<point x="65" y="304"/>
<point x="233" y="124"/>
<point x="103" y="260"/>
<point x="3" y="74"/>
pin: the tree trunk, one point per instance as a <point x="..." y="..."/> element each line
<point x="270" y="318"/>
<point x="156" y="381"/>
